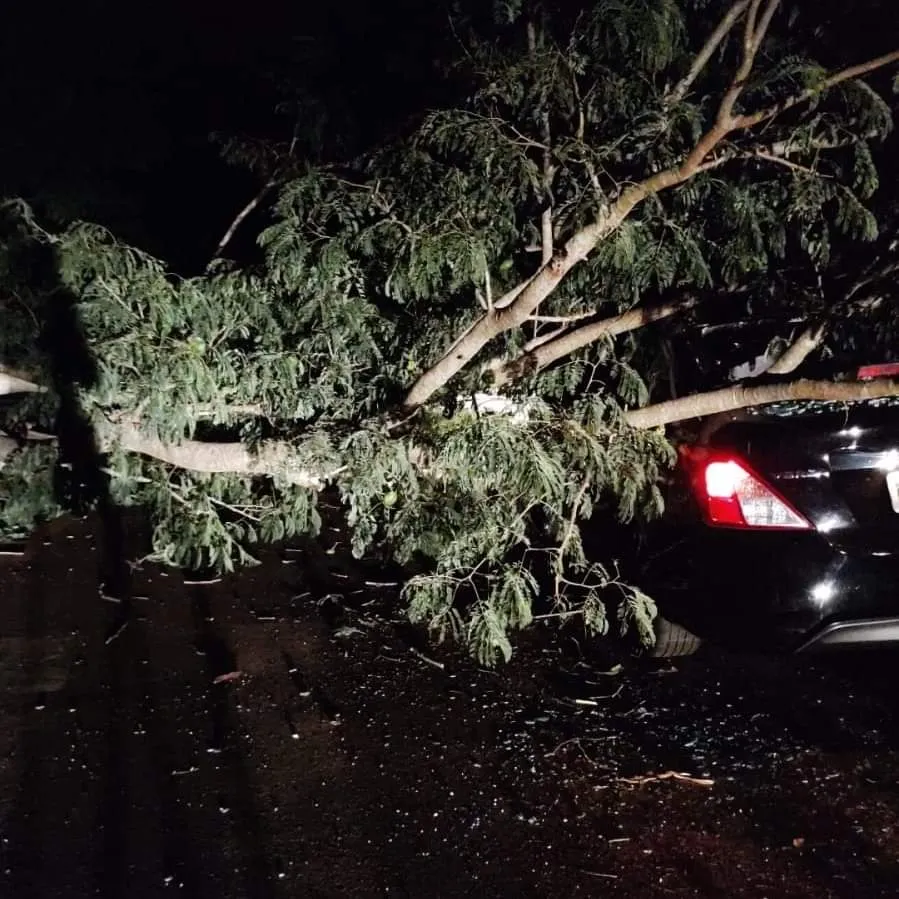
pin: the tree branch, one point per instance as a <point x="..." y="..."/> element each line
<point x="527" y="296"/>
<point x="509" y="297"/>
<point x="239" y="218"/>
<point x="807" y="342"/>
<point x="849" y="74"/>
<point x="561" y="319"/>
<point x="274" y="458"/>
<point x="728" y="399"/>
<point x="17" y="382"/>
<point x="752" y="39"/>
<point x="723" y="28"/>
<point x="546" y="235"/>
<point x="784" y="161"/>
<point x="780" y="151"/>
<point x="539" y="356"/>
<point x="280" y="459"/>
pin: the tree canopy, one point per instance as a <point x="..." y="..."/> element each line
<point x="613" y="167"/>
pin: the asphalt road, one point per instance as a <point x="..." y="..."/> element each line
<point x="275" y="735"/>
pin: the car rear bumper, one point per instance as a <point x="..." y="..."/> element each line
<point x="846" y="634"/>
<point x="783" y="592"/>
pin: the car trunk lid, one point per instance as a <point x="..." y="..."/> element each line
<point x="837" y="465"/>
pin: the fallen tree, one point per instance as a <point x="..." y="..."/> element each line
<point x="623" y="153"/>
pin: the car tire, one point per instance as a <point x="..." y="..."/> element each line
<point x="673" y="641"/>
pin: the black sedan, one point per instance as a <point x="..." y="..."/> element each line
<point x="782" y="532"/>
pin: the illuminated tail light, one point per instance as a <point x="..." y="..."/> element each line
<point x="885" y="370"/>
<point x="734" y="496"/>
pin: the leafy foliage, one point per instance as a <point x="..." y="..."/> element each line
<point x="373" y="269"/>
<point x="26" y="492"/>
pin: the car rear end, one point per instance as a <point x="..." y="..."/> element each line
<point x="782" y="529"/>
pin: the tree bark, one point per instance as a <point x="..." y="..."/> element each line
<point x="728" y="399"/>
<point x="17" y="382"/>
<point x="539" y="357"/>
<point x="807" y="342"/>
<point x="274" y="458"/>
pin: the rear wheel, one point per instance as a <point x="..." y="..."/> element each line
<point x="672" y="640"/>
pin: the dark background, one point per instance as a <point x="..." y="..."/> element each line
<point x="107" y="108"/>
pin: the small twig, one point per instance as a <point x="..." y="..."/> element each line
<point x="576" y="741"/>
<point x="419" y="654"/>
<point x="235" y="509"/>
<point x="5" y="551"/>
<point x="116" y="633"/>
<point x="614" y="695"/>
<point x="667" y="775"/>
<point x="238" y="219"/>
<point x="782" y="160"/>
<point x="542" y="339"/>
<point x="568" y="613"/>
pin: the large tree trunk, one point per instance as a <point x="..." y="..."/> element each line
<point x="280" y="459"/>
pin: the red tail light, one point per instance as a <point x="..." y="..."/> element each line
<point x="884" y="370"/>
<point x="732" y="495"/>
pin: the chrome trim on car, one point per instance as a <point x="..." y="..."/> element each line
<point x="863" y="632"/>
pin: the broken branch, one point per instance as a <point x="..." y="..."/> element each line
<point x="667" y="775"/>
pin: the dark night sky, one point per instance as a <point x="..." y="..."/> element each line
<point x="106" y="107"/>
<point x="109" y="111"/>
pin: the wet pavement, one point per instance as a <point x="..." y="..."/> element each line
<point x="277" y="734"/>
